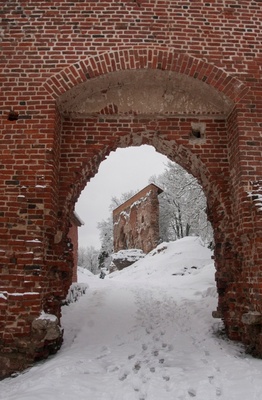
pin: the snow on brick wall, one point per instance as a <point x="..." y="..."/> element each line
<point x="80" y="79"/>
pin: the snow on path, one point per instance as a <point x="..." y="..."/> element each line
<point x="146" y="339"/>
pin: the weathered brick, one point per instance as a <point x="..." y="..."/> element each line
<point x="49" y="52"/>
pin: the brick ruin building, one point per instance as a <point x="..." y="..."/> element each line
<point x="82" y="78"/>
<point x="136" y="221"/>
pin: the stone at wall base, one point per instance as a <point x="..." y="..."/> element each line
<point x="46" y="338"/>
<point x="216" y="314"/>
<point x="124" y="258"/>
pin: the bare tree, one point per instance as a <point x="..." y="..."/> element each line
<point x="88" y="258"/>
<point x="115" y="201"/>
<point x="182" y="205"/>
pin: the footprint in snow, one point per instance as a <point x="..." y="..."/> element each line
<point x="136" y="385"/>
<point x="211" y="379"/>
<point x="104" y="352"/>
<point x="137" y="366"/>
<point x="101" y="356"/>
<point x="112" y="368"/>
<point x="192" y="392"/>
<point x="123" y="375"/>
<point x="156" y="338"/>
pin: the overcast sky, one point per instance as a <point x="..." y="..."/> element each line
<point x="123" y="170"/>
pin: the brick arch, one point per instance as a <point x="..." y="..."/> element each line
<point x="203" y="164"/>
<point x="97" y="135"/>
<point x="136" y="59"/>
<point x="211" y="164"/>
<point x="179" y="153"/>
<point x="91" y="154"/>
<point x="166" y="143"/>
<point x="145" y="58"/>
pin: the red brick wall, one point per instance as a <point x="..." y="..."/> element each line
<point x="48" y="50"/>
<point x="73" y="236"/>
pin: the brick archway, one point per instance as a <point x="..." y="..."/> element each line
<point x="206" y="157"/>
<point x="49" y="154"/>
<point x="85" y="140"/>
<point x="145" y="58"/>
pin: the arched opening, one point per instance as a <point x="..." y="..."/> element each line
<point x="158" y="216"/>
<point x="104" y="112"/>
<point x="176" y="113"/>
<point x="181" y="117"/>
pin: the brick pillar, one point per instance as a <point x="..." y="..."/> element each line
<point x="27" y="231"/>
<point x="239" y="255"/>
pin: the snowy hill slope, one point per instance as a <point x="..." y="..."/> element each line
<point x="145" y="333"/>
<point x="180" y="258"/>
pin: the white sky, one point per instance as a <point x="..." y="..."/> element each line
<point x="123" y="170"/>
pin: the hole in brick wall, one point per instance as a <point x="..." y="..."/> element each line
<point x="13" y="115"/>
<point x="196" y="133"/>
<point x="198" y="130"/>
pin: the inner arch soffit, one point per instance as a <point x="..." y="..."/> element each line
<point x="140" y="58"/>
<point x="144" y="92"/>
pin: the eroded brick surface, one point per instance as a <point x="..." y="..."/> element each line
<point x="136" y="221"/>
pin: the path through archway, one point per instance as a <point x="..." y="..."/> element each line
<point x="181" y="117"/>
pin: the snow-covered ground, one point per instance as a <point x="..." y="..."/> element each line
<point x="145" y="332"/>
